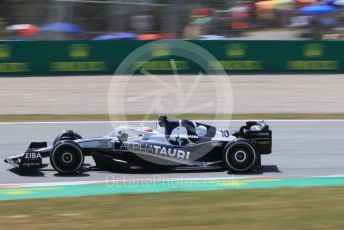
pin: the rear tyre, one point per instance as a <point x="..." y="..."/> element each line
<point x="239" y="156"/>
<point x="66" y="158"/>
<point x="259" y="160"/>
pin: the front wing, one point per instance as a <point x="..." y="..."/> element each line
<point x="32" y="158"/>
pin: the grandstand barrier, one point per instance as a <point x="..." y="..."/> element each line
<point x="104" y="57"/>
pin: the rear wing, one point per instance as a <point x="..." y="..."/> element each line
<point x="260" y="135"/>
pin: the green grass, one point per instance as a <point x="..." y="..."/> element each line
<point x="285" y="208"/>
<point x="106" y="117"/>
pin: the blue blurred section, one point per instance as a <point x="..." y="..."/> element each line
<point x="318" y="9"/>
<point x="116" y="36"/>
<point x="62" y="27"/>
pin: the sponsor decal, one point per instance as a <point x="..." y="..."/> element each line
<point x="5" y="51"/>
<point x="156" y="149"/>
<point x="103" y="144"/>
<point x="180" y="136"/>
<point x="10" y="67"/>
<point x="78" y="66"/>
<point x="313" y="50"/>
<point x="263" y="134"/>
<point x="30" y="164"/>
<point x="95" y="144"/>
<point x="161" y="49"/>
<point x="216" y="144"/>
<point x="78" y="51"/>
<point x="313" y="65"/>
<point x="14" y="67"/>
<point x="161" y="65"/>
<point x="237" y="65"/>
<point x="32" y="155"/>
<point x="235" y="50"/>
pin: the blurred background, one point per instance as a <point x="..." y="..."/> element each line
<point x="159" y="19"/>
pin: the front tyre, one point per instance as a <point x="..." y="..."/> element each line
<point x="67" y="135"/>
<point x="239" y="156"/>
<point x="66" y="158"/>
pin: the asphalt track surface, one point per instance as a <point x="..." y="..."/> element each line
<point x="292" y="93"/>
<point x="300" y="148"/>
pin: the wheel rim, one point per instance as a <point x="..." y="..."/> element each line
<point x="67" y="157"/>
<point x="240" y="156"/>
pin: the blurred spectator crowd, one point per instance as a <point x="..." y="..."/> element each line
<point x="159" y="19"/>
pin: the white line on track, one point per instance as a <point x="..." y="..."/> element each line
<point x="114" y="181"/>
<point x="144" y="180"/>
<point x="337" y="175"/>
<point x="104" y="122"/>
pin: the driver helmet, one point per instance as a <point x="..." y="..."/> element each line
<point x="201" y="130"/>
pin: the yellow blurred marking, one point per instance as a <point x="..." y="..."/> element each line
<point x="16" y="192"/>
<point x="262" y="180"/>
<point x="23" y="191"/>
<point x="232" y="183"/>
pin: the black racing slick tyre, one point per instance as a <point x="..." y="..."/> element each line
<point x="239" y="156"/>
<point x="66" y="158"/>
<point x="67" y="135"/>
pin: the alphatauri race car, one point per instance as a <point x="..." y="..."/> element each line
<point x="172" y="145"/>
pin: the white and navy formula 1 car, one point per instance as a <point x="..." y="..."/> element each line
<point x="174" y="144"/>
